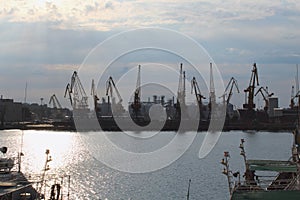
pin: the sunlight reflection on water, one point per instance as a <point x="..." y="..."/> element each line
<point x="92" y="180"/>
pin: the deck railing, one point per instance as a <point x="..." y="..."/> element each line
<point x="264" y="184"/>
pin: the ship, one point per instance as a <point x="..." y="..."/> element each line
<point x="14" y="185"/>
<point x="284" y="185"/>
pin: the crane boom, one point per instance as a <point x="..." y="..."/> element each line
<point x="76" y="89"/>
<point x="110" y="85"/>
<point x="199" y="96"/>
<point x="77" y="85"/>
<point x="250" y="90"/>
<point x="260" y="90"/>
<point x="69" y="92"/>
<point x="294" y="97"/>
<point x="265" y="94"/>
<point x="232" y="82"/>
<point x="55" y="102"/>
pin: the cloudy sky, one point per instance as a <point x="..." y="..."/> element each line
<point x="43" y="42"/>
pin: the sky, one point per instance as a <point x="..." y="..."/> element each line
<point x="43" y="42"/>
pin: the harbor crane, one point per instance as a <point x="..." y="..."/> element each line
<point x="265" y="94"/>
<point x="250" y="90"/>
<point x="136" y="105"/>
<point x="199" y="96"/>
<point x="110" y="86"/>
<point x="75" y="89"/>
<point x="94" y="95"/>
<point x="232" y="82"/>
<point x="54" y="101"/>
<point x="69" y="92"/>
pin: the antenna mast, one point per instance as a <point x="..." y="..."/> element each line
<point x="25" y="96"/>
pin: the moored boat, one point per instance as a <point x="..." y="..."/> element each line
<point x="13" y="184"/>
<point x="279" y="179"/>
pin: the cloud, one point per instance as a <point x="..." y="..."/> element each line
<point x="238" y="52"/>
<point x="49" y="39"/>
<point x="203" y="19"/>
<point x="141" y="13"/>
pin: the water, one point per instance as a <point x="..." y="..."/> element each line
<point x="91" y="179"/>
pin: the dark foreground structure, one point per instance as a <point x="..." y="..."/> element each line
<point x="284" y="185"/>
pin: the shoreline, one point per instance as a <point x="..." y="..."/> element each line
<point x="112" y="127"/>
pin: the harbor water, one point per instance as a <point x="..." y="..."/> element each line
<point x="90" y="179"/>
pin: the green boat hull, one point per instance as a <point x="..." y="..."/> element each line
<point x="266" y="195"/>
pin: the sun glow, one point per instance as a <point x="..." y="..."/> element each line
<point x="60" y="145"/>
